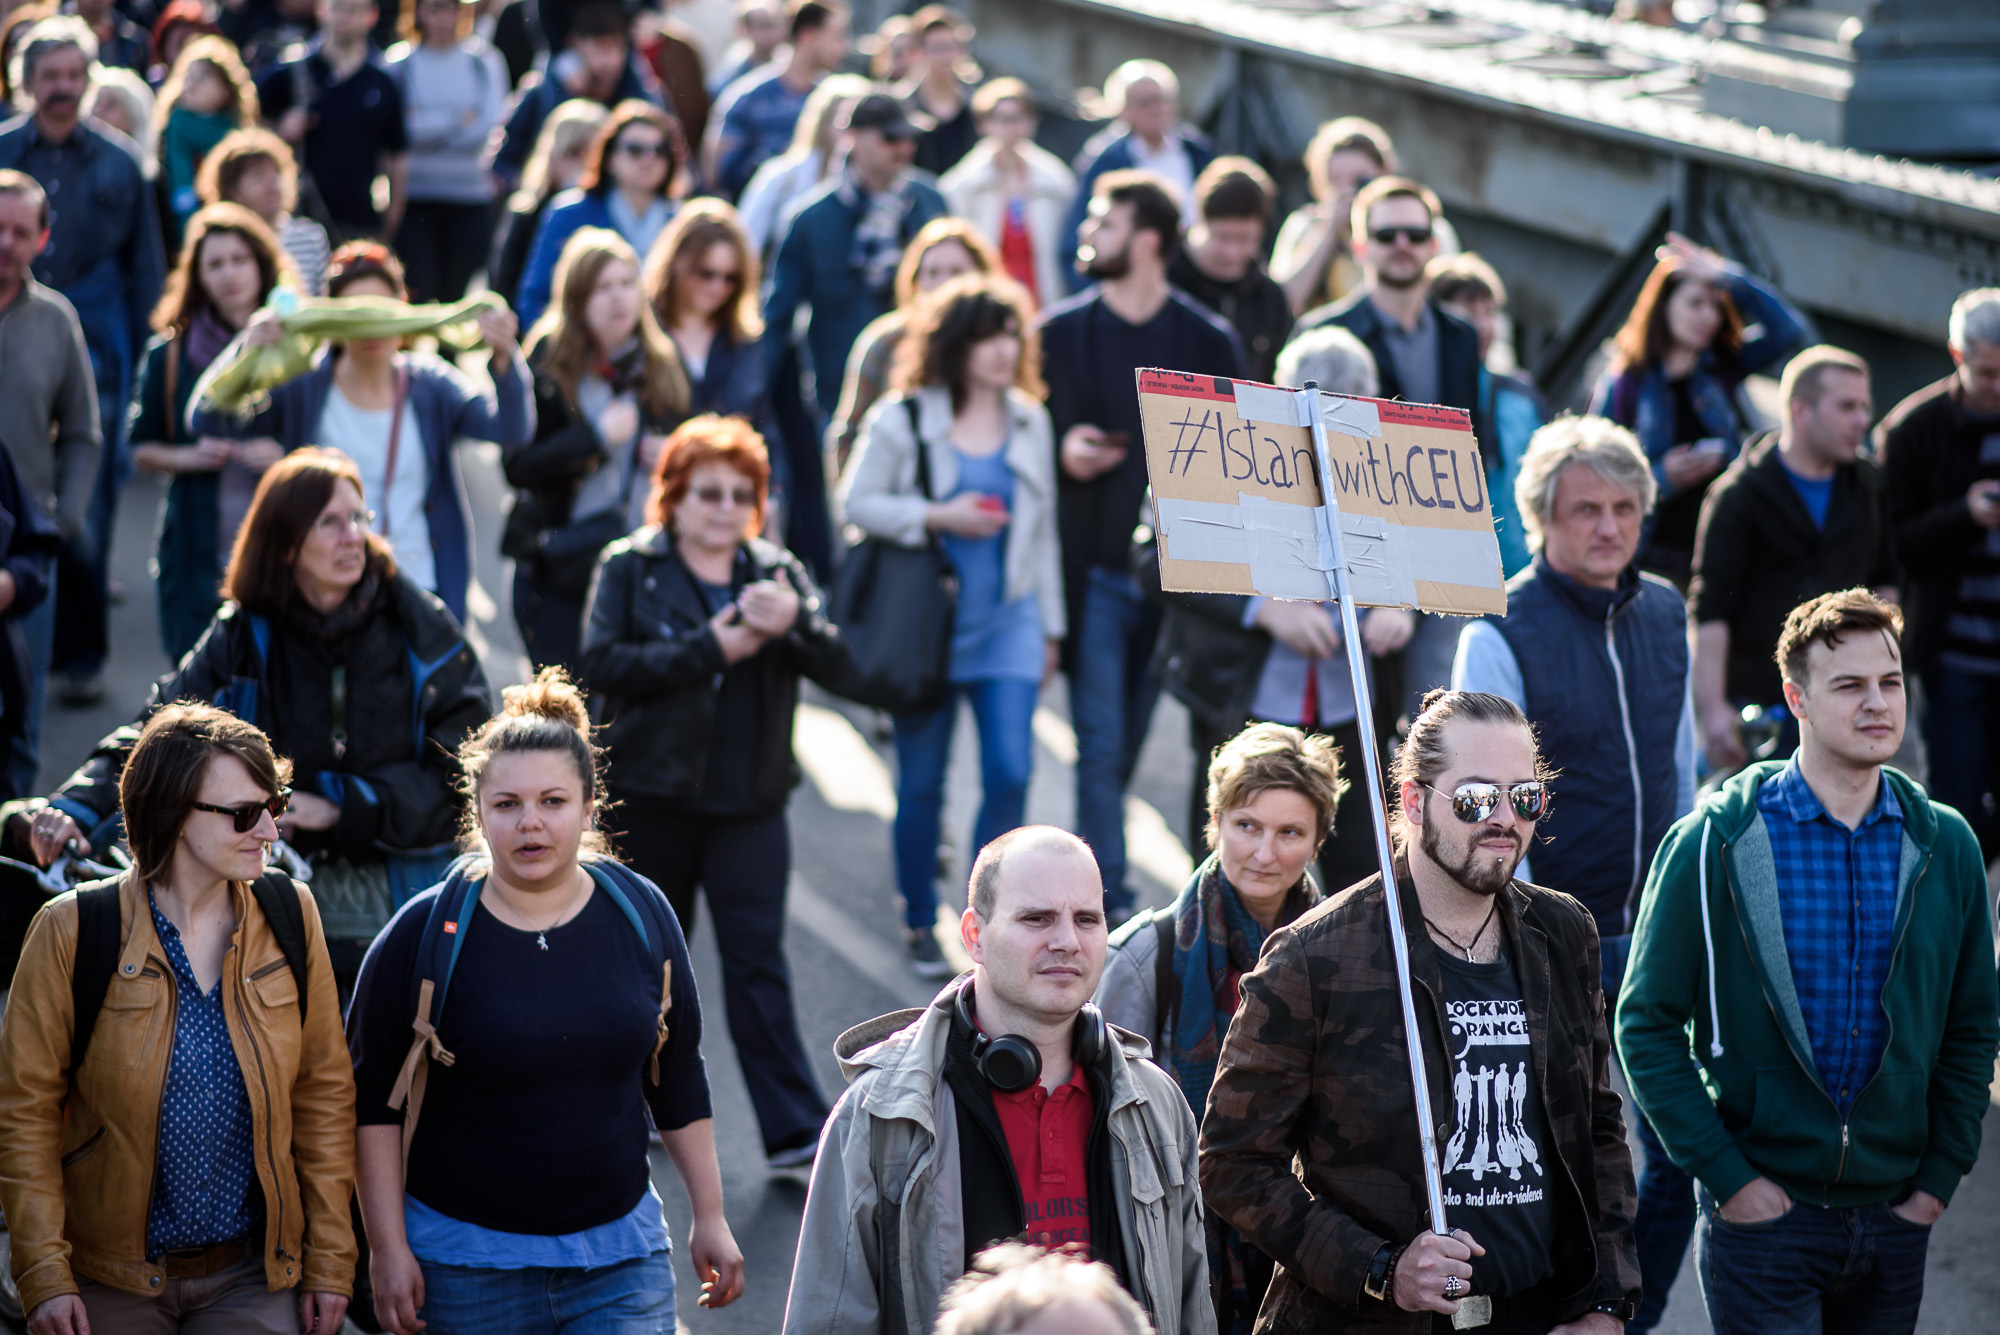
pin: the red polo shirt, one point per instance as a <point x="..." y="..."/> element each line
<point x="1048" y="1138"/>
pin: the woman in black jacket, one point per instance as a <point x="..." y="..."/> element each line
<point x="608" y="388"/>
<point x="363" y="679"/>
<point x="697" y="636"/>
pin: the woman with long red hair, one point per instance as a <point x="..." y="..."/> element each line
<point x="697" y="636"/>
<point x="1700" y="327"/>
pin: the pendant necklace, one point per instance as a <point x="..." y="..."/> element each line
<point x="542" y="939"/>
<point x="1463" y="946"/>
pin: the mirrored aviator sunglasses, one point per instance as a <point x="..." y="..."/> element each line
<point x="246" y="816"/>
<point x="1476" y="802"/>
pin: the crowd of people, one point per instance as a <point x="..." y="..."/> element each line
<point x="734" y="301"/>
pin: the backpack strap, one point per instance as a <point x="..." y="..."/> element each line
<point x="96" y="960"/>
<point x="437" y="954"/>
<point x="278" y="897"/>
<point x="1166" y="983"/>
<point x="654" y="935"/>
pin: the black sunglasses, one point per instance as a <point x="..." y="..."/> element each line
<point x="1386" y="236"/>
<point x="1476" y="802"/>
<point x="246" y="816"/>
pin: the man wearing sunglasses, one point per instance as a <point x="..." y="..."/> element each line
<point x="1817" y="939"/>
<point x="1423" y="352"/>
<point x="1537" y="1177"/>
<point x="1596" y="655"/>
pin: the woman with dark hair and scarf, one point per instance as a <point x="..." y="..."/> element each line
<point x="1173" y="975"/>
<point x="357" y="674"/>
<point x="228" y="265"/>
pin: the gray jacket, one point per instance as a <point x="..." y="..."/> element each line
<point x="49" y="384"/>
<point x="885" y="1189"/>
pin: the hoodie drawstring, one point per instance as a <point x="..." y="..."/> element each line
<point x="1708" y="942"/>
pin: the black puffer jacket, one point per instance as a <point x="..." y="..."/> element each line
<point x="414" y="690"/>
<point x="653" y="668"/>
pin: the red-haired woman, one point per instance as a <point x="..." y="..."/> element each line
<point x="1683" y="353"/>
<point x="608" y="389"/>
<point x="697" y="635"/>
<point x="627" y="185"/>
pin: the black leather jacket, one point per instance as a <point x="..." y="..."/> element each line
<point x="653" y="668"/>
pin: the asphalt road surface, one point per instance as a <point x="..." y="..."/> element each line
<point x="843" y="935"/>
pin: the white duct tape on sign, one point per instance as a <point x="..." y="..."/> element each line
<point x="1350" y="417"/>
<point x="1268" y="403"/>
<point x="1203" y="531"/>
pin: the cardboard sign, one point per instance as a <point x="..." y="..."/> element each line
<point x="1237" y="501"/>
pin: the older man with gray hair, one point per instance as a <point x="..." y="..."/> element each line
<point x="1940" y="451"/>
<point x="1146" y="133"/>
<point x="1333" y="356"/>
<point x="1596" y="654"/>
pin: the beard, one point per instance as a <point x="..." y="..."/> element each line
<point x="1097" y="264"/>
<point x="1471" y="869"/>
<point x="1399" y="281"/>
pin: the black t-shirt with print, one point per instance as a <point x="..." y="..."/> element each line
<point x="1498" y="1163"/>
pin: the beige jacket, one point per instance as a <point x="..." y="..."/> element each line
<point x="77" y="1149"/>
<point x="977" y="192"/>
<point x="879" y="491"/>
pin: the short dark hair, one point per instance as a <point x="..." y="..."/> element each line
<point x="231" y="160"/>
<point x="1464" y="277"/>
<point x="1823" y="620"/>
<point x="27" y="187"/>
<point x="289" y="499"/>
<point x="1151" y="199"/>
<point x="1391" y="187"/>
<point x="946" y="323"/>
<point x="1806" y="372"/>
<point x="1235" y="188"/>
<point x="804" y="16"/>
<point x="164" y="772"/>
<point x="1425" y="754"/>
<point x="598" y="18"/>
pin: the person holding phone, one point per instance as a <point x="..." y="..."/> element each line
<point x="1131" y="317"/>
<point x="969" y="376"/>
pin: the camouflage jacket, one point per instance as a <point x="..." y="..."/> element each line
<point x="1315" y="1067"/>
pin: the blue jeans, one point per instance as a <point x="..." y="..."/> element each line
<point x="1666" y="1217"/>
<point x="1959" y="721"/>
<point x="1812" y="1271"/>
<point x="1112" y="690"/>
<point x="630" y="1298"/>
<point x="1005" y="713"/>
<point x="38" y="635"/>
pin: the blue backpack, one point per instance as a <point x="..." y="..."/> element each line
<point x="448" y="922"/>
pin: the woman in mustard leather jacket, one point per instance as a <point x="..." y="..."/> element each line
<point x="186" y="1150"/>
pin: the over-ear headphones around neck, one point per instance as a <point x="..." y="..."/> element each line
<point x="1011" y="1063"/>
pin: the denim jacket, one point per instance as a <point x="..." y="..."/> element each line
<point x="1642" y="399"/>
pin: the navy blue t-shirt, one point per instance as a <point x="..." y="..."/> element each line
<point x="355" y="122"/>
<point x="550" y="1079"/>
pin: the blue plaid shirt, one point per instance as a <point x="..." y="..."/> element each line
<point x="1837" y="898"/>
<point x="204" y="1186"/>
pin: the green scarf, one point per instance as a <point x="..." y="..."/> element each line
<point x="243" y="377"/>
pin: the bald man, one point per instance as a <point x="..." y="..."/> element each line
<point x="1006" y="1109"/>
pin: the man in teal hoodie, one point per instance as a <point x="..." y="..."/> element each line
<point x="1810" y="1015"/>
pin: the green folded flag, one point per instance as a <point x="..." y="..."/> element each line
<point x="244" y="376"/>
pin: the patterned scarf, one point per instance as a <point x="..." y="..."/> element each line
<point x="1215" y="938"/>
<point x="878" y="230"/>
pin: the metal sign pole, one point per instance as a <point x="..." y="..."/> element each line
<point x="1371" y="760"/>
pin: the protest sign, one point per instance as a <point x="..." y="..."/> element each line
<point x="1237" y="500"/>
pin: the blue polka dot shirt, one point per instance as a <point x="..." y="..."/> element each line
<point x="204" y="1184"/>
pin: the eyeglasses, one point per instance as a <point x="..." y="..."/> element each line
<point x="247" y="815"/>
<point x="654" y="149"/>
<point x="1476" y="802"/>
<point x="1388" y="236"/>
<point x="741" y="496"/>
<point x="715" y="275"/>
<point x="330" y="524"/>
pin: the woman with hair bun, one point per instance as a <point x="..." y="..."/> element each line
<point x="697" y="635"/>
<point x="573" y="1029"/>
